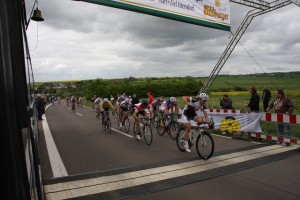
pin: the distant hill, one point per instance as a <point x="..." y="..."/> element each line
<point x="223" y="83"/>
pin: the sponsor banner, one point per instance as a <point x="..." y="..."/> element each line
<point x="239" y="122"/>
<point x="209" y="13"/>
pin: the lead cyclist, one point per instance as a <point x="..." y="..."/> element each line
<point x="189" y="113"/>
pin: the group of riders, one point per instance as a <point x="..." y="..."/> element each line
<point x="73" y="101"/>
<point x="151" y="107"/>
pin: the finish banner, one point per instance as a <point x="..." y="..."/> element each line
<point x="239" y="122"/>
<point x="209" y="13"/>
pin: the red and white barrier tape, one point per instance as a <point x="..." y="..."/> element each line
<point x="268" y="117"/>
<point x="229" y="111"/>
<point x="281" y="118"/>
<point x="275" y="138"/>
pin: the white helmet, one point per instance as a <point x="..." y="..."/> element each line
<point x="105" y="100"/>
<point x="203" y="96"/>
<point x="173" y="99"/>
<point x="126" y="100"/>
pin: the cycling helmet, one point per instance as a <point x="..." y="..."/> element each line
<point x="144" y="102"/>
<point x="159" y="99"/>
<point x="105" y="100"/>
<point x="126" y="100"/>
<point x="173" y="99"/>
<point x="203" y="96"/>
<point x="112" y="99"/>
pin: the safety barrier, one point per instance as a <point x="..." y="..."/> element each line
<point x="225" y="111"/>
<point x="291" y="119"/>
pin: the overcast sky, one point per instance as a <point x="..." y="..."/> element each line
<point x="80" y="40"/>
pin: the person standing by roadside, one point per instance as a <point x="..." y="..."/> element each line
<point x="40" y="106"/>
<point x="150" y="97"/>
<point x="282" y="104"/>
<point x="225" y="102"/>
<point x="254" y="100"/>
<point x="266" y="98"/>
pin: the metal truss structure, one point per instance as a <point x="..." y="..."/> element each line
<point x="261" y="7"/>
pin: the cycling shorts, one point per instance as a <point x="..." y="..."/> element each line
<point x="190" y="113"/>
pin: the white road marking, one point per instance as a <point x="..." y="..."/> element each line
<point x="223" y="136"/>
<point x="57" y="165"/>
<point x="102" y="184"/>
<point x="79" y="114"/>
<point x="122" y="133"/>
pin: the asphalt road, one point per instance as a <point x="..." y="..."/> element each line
<point x="87" y="151"/>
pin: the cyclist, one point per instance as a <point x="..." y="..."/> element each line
<point x="134" y="101"/>
<point x="124" y="107"/>
<point x="104" y="106"/>
<point x="170" y="106"/>
<point x="141" y="109"/>
<point x="96" y="103"/>
<point x="112" y="100"/>
<point x="121" y="98"/>
<point x="189" y="113"/>
<point x="155" y="105"/>
<point x="58" y="100"/>
<point x="80" y="102"/>
<point x="73" y="101"/>
<point x="92" y="100"/>
<point x="68" y="101"/>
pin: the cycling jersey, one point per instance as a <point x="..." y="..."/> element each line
<point x="97" y="101"/>
<point x="106" y="105"/>
<point x="190" y="110"/>
<point x="169" y="105"/>
<point x="155" y="104"/>
<point x="140" y="109"/>
<point x="121" y="98"/>
<point x="124" y="106"/>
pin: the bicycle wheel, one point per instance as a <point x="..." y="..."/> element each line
<point x="179" y="139"/>
<point x="148" y="137"/>
<point x="205" y="145"/>
<point x="160" y="129"/>
<point x="127" y="125"/>
<point x="108" y="125"/>
<point x="173" y="130"/>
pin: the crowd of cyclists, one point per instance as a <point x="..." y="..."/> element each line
<point x="154" y="108"/>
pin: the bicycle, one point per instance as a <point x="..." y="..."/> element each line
<point x="97" y="108"/>
<point x="170" y="127"/>
<point x="157" y="118"/>
<point x="106" y="123"/>
<point x="144" y="129"/>
<point x="73" y="106"/>
<point x="124" y="119"/>
<point x="204" y="141"/>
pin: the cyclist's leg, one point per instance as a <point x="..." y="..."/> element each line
<point x="198" y="119"/>
<point x="151" y="111"/>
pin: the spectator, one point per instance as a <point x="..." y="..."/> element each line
<point x="266" y="98"/>
<point x="40" y="106"/>
<point x="282" y="104"/>
<point x="225" y="102"/>
<point x="254" y="100"/>
<point x="150" y="97"/>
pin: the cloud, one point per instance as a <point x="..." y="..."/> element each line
<point x="81" y="40"/>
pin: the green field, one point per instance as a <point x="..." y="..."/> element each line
<point x="235" y="86"/>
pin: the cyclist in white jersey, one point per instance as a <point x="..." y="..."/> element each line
<point x="189" y="113"/>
